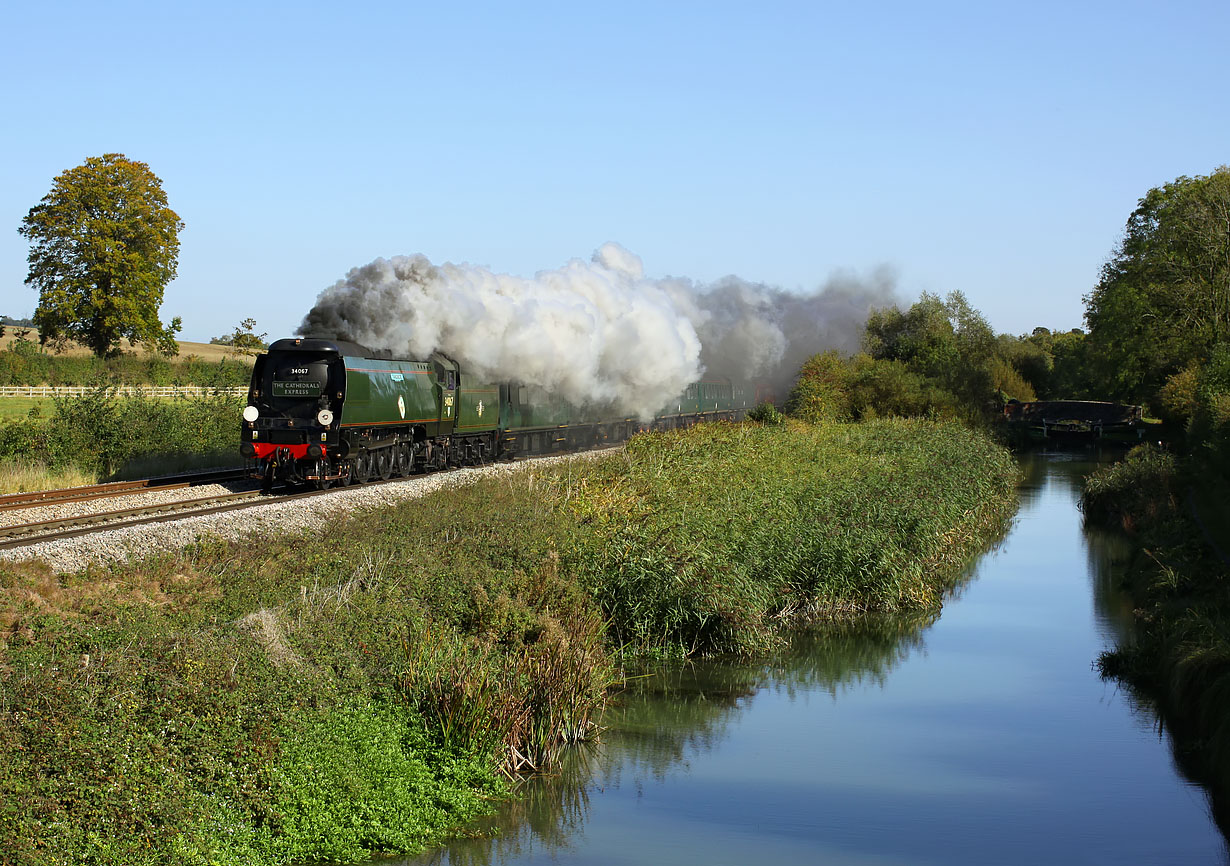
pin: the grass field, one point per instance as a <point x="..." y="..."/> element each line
<point x="12" y="408"/>
<point x="204" y="351"/>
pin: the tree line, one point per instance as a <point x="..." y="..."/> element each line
<point x="1157" y="334"/>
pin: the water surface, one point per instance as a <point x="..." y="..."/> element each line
<point x="981" y="736"/>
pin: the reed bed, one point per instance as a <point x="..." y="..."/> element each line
<point x="369" y="689"/>
<point x="710" y="541"/>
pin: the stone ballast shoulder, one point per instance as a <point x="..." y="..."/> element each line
<point x="72" y="555"/>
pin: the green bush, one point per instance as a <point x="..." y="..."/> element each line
<point x="819" y="393"/>
<point x="1136" y="493"/>
<point x="766" y="413"/>
<point x="889" y="389"/>
<point x="830" y="388"/>
<point x="101" y="431"/>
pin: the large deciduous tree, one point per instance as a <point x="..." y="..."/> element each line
<point x="103" y="246"/>
<point x="1163" y="301"/>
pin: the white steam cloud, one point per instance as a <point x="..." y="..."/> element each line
<point x="596" y="332"/>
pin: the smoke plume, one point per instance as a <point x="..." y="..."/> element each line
<point x="597" y="332"/>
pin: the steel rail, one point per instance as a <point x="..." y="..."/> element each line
<point x="40" y="526"/>
<point x="184" y="509"/>
<point x="33" y="499"/>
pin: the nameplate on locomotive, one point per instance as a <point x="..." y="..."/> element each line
<point x="296" y="389"/>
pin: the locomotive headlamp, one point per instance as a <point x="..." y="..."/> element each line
<point x="250" y="414"/>
<point x="324" y="417"/>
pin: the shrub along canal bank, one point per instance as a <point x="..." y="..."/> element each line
<point x="328" y="696"/>
<point x="1174" y="512"/>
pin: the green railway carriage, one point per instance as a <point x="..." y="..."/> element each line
<point x="711" y="399"/>
<point x="325" y="411"/>
<point x="537" y="422"/>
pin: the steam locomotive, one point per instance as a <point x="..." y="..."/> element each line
<point x="325" y="412"/>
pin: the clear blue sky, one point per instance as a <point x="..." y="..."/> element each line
<point x="992" y="148"/>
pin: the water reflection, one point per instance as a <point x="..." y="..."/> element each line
<point x="985" y="736"/>
<point x="671" y="715"/>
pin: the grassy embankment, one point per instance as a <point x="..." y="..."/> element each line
<point x="324" y="696"/>
<point x="1180" y="657"/>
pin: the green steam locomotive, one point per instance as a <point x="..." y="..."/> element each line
<point x="325" y="412"/>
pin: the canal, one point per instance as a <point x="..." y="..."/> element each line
<point x="982" y="735"/>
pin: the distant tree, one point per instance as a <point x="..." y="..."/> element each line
<point x="945" y="340"/>
<point x="1056" y="363"/>
<point x="1163" y="300"/>
<point x="244" y="339"/>
<point x="103" y="246"/>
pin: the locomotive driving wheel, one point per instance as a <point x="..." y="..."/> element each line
<point x="363" y="468"/>
<point x="383" y="464"/>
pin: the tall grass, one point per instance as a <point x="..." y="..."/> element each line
<point x="815" y="522"/>
<point x="19" y="476"/>
<point x="522" y="707"/>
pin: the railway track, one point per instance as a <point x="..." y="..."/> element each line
<point x="39" y="531"/>
<point x="19" y="534"/>
<point x="22" y="534"/>
<point x="36" y="532"/>
<point x="14" y="501"/>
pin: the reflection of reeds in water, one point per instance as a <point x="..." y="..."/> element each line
<point x="1192" y="758"/>
<point x="667" y="715"/>
<point x="1108" y="555"/>
<point x="845" y="655"/>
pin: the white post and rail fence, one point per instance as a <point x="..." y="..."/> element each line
<point x="147" y="390"/>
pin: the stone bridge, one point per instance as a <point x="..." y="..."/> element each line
<point x="1075" y="418"/>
